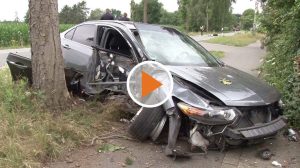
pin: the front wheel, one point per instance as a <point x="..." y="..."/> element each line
<point x="145" y="122"/>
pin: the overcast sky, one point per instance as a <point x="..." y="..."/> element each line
<point x="9" y="9"/>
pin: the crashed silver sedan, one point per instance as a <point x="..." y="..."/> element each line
<point x="213" y="105"/>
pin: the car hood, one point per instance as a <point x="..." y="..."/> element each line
<point x="233" y="87"/>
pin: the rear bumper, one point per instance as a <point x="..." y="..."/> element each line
<point x="256" y="132"/>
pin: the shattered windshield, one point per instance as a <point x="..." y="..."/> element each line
<point x="170" y="47"/>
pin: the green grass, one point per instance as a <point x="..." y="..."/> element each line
<point x="128" y="161"/>
<point x="218" y="54"/>
<point x="16" y="35"/>
<point x="15" y="47"/>
<point x="238" y="40"/>
<point x="30" y="135"/>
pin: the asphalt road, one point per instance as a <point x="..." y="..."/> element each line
<point x="247" y="59"/>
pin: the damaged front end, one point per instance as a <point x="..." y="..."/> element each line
<point x="209" y="124"/>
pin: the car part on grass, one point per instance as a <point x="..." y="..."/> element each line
<point x="292" y="135"/>
<point x="276" y="164"/>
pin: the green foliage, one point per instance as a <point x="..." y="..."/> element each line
<point x="281" y="21"/>
<point x="195" y="15"/>
<point x="214" y="14"/>
<point x="236" y="19"/>
<point x="109" y="148"/>
<point x="14" y="34"/>
<point x="221" y="15"/>
<point x="96" y="14"/>
<point x="73" y="15"/>
<point x="154" y="11"/>
<point x="169" y="18"/>
<point x="17" y="34"/>
<point x="26" y="17"/>
<point x="218" y="54"/>
<point x="247" y="19"/>
<point x="183" y="12"/>
<point x="128" y="161"/>
<point x="116" y="13"/>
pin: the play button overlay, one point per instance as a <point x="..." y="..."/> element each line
<point x="150" y="84"/>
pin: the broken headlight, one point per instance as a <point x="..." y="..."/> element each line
<point x="214" y="116"/>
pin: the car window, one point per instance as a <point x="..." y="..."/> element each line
<point x="69" y="35"/>
<point x="170" y="47"/>
<point x="116" y="42"/>
<point x="85" y="34"/>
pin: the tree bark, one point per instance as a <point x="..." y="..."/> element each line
<point x="207" y="17"/>
<point x="47" y="60"/>
<point x="145" y="11"/>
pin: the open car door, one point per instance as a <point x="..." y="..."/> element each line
<point x="20" y="67"/>
<point x="113" y="60"/>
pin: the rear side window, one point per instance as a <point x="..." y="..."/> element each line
<point x="69" y="35"/>
<point x="85" y="34"/>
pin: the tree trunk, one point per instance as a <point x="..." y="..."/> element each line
<point x="145" y="11"/>
<point x="207" y="16"/>
<point x="47" y="60"/>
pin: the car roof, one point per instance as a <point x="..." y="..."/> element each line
<point x="123" y="24"/>
<point x="117" y="23"/>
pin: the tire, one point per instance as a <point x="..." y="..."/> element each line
<point x="145" y="122"/>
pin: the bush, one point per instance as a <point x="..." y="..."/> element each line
<point x="281" y="21"/>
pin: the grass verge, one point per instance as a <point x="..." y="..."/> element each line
<point x="238" y="40"/>
<point x="218" y="54"/>
<point x="14" y="47"/>
<point x="30" y="135"/>
<point x="198" y="33"/>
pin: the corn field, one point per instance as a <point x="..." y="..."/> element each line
<point x="17" y="34"/>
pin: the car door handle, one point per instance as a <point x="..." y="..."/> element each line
<point x="17" y="65"/>
<point x="66" y="46"/>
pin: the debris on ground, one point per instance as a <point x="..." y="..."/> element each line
<point x="109" y="148"/>
<point x="265" y="154"/>
<point x="276" y="164"/>
<point x="292" y="135"/>
<point x="128" y="161"/>
<point x="124" y="120"/>
<point x="68" y="160"/>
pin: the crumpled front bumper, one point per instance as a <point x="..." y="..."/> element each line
<point x="259" y="131"/>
